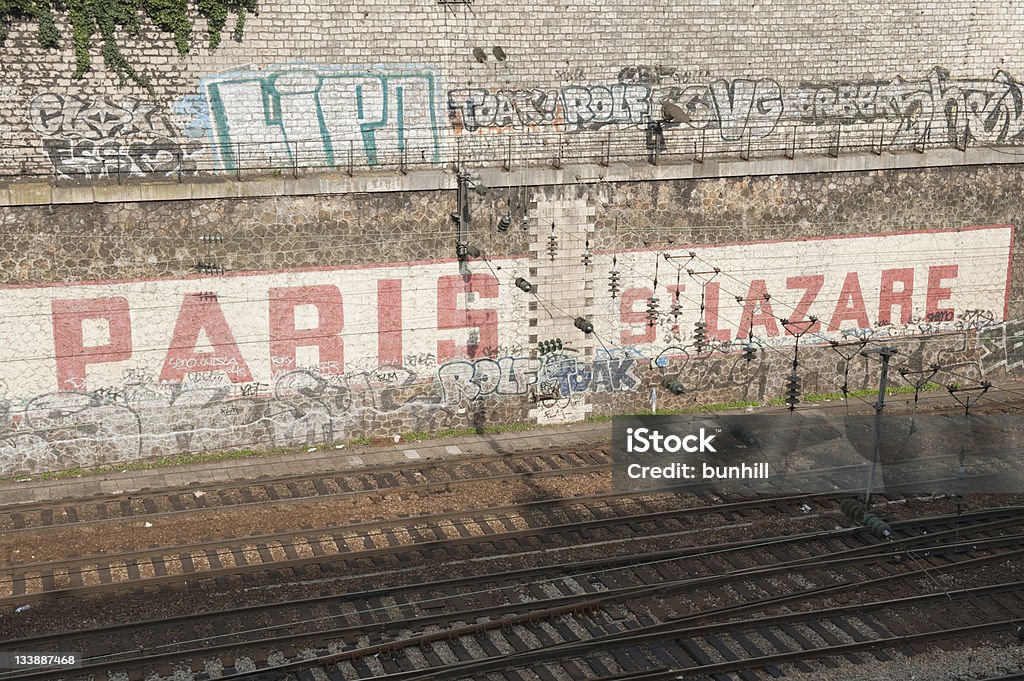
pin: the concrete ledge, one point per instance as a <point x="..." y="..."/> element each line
<point x="228" y="187"/>
<point x="30" y="194"/>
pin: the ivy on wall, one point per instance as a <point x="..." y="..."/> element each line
<point x="107" y="17"/>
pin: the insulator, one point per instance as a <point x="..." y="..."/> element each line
<point x="854" y="509"/>
<point x="673" y="385"/>
<point x="585" y="258"/>
<point x="584" y="325"/>
<point x="700" y="335"/>
<point x="208" y="268"/>
<point x="792" y="391"/>
<point x="749" y="353"/>
<point x="549" y="346"/>
<point x="505" y="222"/>
<point x="613" y="283"/>
<point x="877" y="526"/>
<point x="552" y="246"/>
<point x="212" y="238"/>
<point x="652" y="311"/>
<point x="524" y="285"/>
<point x="676" y="309"/>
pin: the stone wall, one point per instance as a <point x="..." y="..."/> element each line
<point x="135" y="330"/>
<point x="400" y="83"/>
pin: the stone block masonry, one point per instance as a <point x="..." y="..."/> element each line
<point x="347" y="315"/>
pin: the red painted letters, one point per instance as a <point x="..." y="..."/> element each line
<point x="202" y="316"/>
<point x="389" y="322"/>
<point x="757" y="311"/>
<point x="285" y="338"/>
<point x="850" y="304"/>
<point x="630" y="317"/>
<point x="889" y="297"/>
<point x="938" y="293"/>
<point x="811" y="284"/>
<point x="451" y="316"/>
<point x="72" y="354"/>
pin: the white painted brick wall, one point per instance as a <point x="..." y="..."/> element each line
<point x="548" y="46"/>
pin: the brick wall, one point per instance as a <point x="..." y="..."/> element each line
<point x="398" y="83"/>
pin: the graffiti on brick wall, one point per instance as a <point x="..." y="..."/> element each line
<point x="553" y="377"/>
<point x="8" y="154"/>
<point x="723" y="372"/>
<point x="160" y="367"/>
<point x="319" y="115"/>
<point x="1002" y="346"/>
<point x="572" y="108"/>
<point x="97" y="137"/>
<point x="143" y="416"/>
<point x="937" y="107"/>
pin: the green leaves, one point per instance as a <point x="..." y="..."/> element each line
<point x="109" y="18"/>
<point x="216" y="13"/>
<point x="171" y="16"/>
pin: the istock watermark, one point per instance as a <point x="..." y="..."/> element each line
<point x="797" y="453"/>
<point x="643" y="440"/>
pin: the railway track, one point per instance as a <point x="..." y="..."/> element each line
<point x="456" y="625"/>
<point x="413" y="478"/>
<point x="551" y="522"/>
<point x="611" y="517"/>
<point x="557" y="588"/>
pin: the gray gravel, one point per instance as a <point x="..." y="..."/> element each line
<point x="958" y="665"/>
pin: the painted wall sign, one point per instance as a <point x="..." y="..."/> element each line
<point x="913" y="279"/>
<point x="252" y="328"/>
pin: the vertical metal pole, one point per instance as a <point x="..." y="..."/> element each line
<point x="883" y="383"/>
<point x="351" y="157"/>
<point x="238" y="160"/>
<point x="295" y="160"/>
<point x="462" y="212"/>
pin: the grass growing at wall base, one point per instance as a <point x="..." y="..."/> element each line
<point x="422" y="436"/>
<point x="810" y="398"/>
